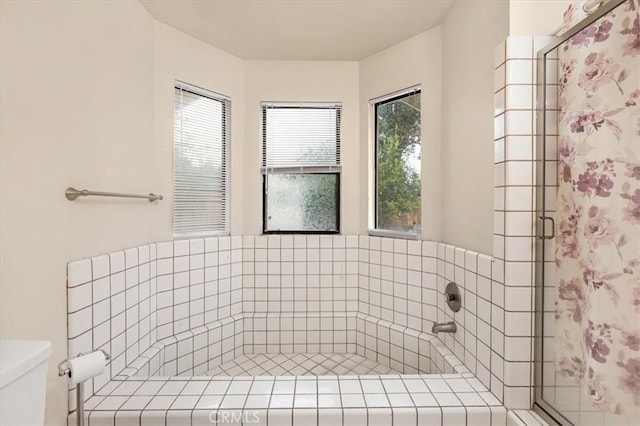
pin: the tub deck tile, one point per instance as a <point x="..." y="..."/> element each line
<point x="298" y="401"/>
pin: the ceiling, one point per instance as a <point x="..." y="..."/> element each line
<point x="300" y="29"/>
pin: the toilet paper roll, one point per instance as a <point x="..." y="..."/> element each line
<point x="86" y="366"/>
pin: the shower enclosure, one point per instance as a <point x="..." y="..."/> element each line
<point x="588" y="206"/>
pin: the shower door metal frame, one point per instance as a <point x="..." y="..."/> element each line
<point x="543" y="408"/>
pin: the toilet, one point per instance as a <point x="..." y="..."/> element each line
<point x="23" y="381"/>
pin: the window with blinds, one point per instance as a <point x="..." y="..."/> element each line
<point x="301" y="167"/>
<point x="200" y="162"/>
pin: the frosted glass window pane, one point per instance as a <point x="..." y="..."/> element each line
<point x="301" y="202"/>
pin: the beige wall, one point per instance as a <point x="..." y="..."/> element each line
<point x="178" y="56"/>
<point x="414" y="61"/>
<point x="301" y="81"/>
<point x="81" y="86"/>
<point x="76" y="96"/>
<point x="467" y="121"/>
<point x="536" y="17"/>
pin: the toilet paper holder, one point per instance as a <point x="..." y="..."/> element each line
<point x="65" y="371"/>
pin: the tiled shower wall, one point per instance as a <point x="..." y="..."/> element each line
<point x="478" y="321"/>
<point x="515" y="212"/>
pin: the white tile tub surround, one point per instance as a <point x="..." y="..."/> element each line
<point x="199" y="281"/>
<point x="171" y="333"/>
<point x="397" y="281"/>
<point x="192" y="352"/>
<point x="402" y="284"/>
<point x="305" y="332"/>
<point x="480" y="322"/>
<point x="300" y="273"/>
<point x="111" y="306"/>
<point x="454" y="398"/>
<point x="136" y="301"/>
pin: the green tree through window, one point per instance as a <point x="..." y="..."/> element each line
<point x="398" y="205"/>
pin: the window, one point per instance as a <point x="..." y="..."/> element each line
<point x="301" y="168"/>
<point x="200" y="162"/>
<point x="397" y="163"/>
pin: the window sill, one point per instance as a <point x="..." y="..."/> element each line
<point x="393" y="234"/>
<point x="197" y="235"/>
<point x="300" y="232"/>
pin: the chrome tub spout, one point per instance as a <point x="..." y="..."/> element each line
<point x="444" y="327"/>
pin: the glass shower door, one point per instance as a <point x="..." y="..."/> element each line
<point x="588" y="195"/>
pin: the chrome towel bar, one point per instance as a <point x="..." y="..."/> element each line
<point x="72" y="194"/>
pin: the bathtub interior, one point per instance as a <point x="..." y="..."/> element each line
<point x="204" y="350"/>
<point x="453" y="398"/>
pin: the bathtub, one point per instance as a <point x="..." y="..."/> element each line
<point x="168" y="385"/>
<point x="176" y="362"/>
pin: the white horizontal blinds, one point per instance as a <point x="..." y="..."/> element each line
<point x="300" y="137"/>
<point x="200" y="162"/>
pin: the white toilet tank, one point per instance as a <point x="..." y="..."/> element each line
<point x="23" y="381"/>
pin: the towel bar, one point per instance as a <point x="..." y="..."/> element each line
<point x="72" y="194"/>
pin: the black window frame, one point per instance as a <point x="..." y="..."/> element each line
<point x="337" y="173"/>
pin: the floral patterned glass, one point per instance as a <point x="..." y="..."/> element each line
<point x="597" y="244"/>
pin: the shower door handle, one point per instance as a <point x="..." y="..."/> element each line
<point x="543" y="221"/>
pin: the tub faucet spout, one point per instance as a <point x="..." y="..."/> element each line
<point x="444" y="327"/>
